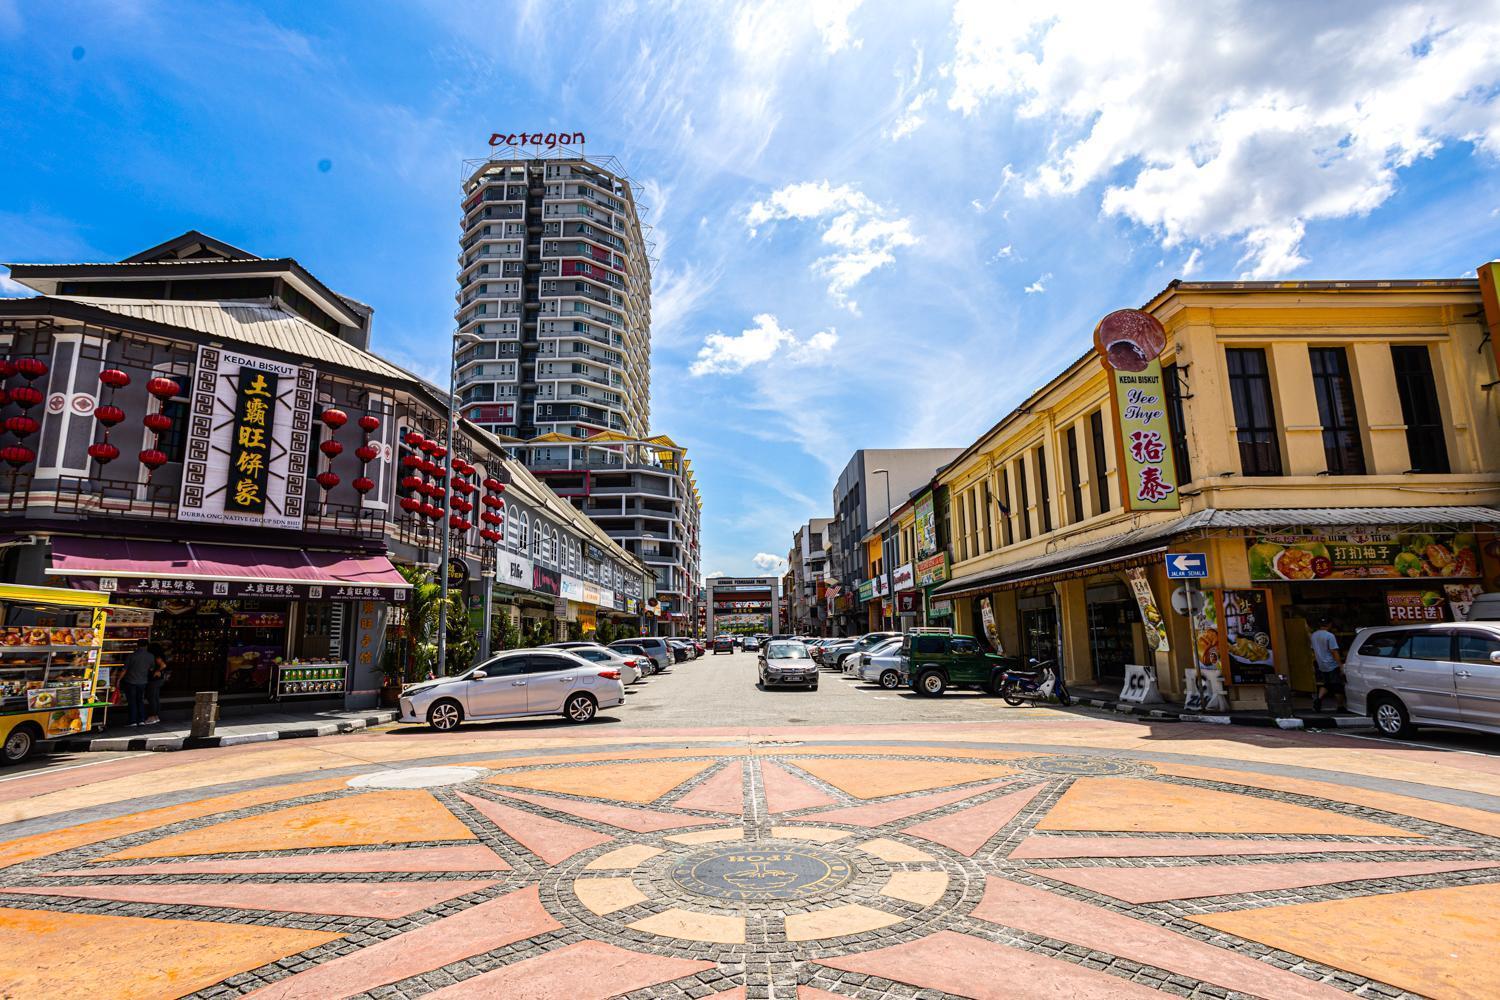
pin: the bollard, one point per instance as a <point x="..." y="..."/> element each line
<point x="205" y="714"/>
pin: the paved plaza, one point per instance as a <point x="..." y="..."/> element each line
<point x="1022" y="853"/>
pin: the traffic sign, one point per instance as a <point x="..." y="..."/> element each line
<point x="1187" y="565"/>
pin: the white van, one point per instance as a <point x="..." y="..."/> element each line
<point x="1486" y="608"/>
<point x="1441" y="675"/>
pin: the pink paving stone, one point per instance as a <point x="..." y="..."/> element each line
<point x="548" y="839"/>
<point x="723" y="793"/>
<point x="981" y="970"/>
<point x="485" y="927"/>
<point x="1151" y="847"/>
<point x="469" y="858"/>
<point x="1154" y="885"/>
<point x="635" y="820"/>
<point x="382" y="900"/>
<point x="1040" y="912"/>
<point x="738" y="993"/>
<point x="589" y="970"/>
<point x="813" y="993"/>
<point x="786" y="792"/>
<point x="888" y="812"/>
<point x="969" y="830"/>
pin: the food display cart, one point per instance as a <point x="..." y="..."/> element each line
<point x="51" y="686"/>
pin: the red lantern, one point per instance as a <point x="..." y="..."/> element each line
<point x="108" y="415"/>
<point x="4" y="396"/>
<point x="432" y="510"/>
<point x="411" y="504"/>
<point x="334" y="417"/>
<point x="103" y="452"/>
<point x="500" y="488"/>
<point x="427" y="446"/>
<point x="158" y="422"/>
<point x="493" y="485"/>
<point x="488" y="535"/>
<point x="457" y="523"/>
<point x="438" y="491"/>
<point x="21" y="426"/>
<point x="491" y="501"/>
<point x="17" y="455"/>
<point x="439" y="452"/>
<point x="490" y="517"/>
<point x="462" y="506"/>
<point x="153" y="458"/>
<point x="363" y="485"/>
<point x="331" y="448"/>
<point x="25" y="396"/>
<point x="328" y="480"/>
<point x="411" y="461"/>
<point x="410" y="483"/>
<point x="366" y="452"/>
<point x="31" y="368"/>
<point x="413" y="439"/>
<point x="163" y="388"/>
<point x="426" y="489"/>
<point x="7" y="368"/>
<point x="369" y="423"/>
<point x="114" y="378"/>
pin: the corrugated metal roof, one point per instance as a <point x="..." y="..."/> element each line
<point x="255" y="322"/>
<point x="1326" y="517"/>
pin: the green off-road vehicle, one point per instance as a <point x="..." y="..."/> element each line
<point x="935" y="662"/>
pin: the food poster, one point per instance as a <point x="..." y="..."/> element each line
<point x="1206" y="632"/>
<point x="1460" y="597"/>
<point x="68" y="721"/>
<point x="1247" y="636"/>
<point x="1156" y="626"/>
<point x="1367" y="556"/>
<point x="1403" y="606"/>
<point x="987" y="619"/>
<point x="248" y="668"/>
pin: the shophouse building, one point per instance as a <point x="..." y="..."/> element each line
<point x="203" y="434"/>
<point x="807" y="561"/>
<point x="1331" y="447"/>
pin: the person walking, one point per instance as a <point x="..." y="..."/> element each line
<point x="160" y="674"/>
<point x="138" y="667"/>
<point x="1328" y="665"/>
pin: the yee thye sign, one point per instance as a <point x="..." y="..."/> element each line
<point x="1130" y="342"/>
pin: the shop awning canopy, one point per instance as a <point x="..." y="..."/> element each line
<point x="246" y="571"/>
<point x="1151" y="540"/>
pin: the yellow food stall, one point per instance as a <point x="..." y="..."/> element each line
<point x="51" y="654"/>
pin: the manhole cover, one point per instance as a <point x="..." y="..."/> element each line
<point x="417" y="777"/>
<point x="1092" y="767"/>
<point x="746" y="873"/>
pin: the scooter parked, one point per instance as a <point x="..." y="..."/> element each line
<point x="1040" y="681"/>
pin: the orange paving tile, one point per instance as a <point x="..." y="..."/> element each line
<point x="606" y="895"/>
<point x="635" y="820"/>
<point x="690" y="925"/>
<point x="873" y="779"/>
<point x="1039" y="912"/>
<point x="922" y="888"/>
<point x="877" y="813"/>
<point x="380" y="900"/>
<point x="494" y="924"/>
<point x="970" y="829"/>
<point x="384" y="817"/>
<point x="1155" y="885"/>
<point x="132" y="958"/>
<point x="836" y="921"/>
<point x="981" y="970"/>
<point x="549" y="839"/>
<point x="41" y="844"/>
<point x="589" y="970"/>
<point x="629" y="782"/>
<point x="468" y="858"/>
<point x="1136" y="805"/>
<point x="1435" y="942"/>
<point x="723" y="793"/>
<point x="785" y="792"/>
<point x="1475" y="820"/>
<point x="1194" y="847"/>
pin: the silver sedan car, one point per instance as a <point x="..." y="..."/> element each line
<point x="787" y="661"/>
<point x="516" y="683"/>
<point x="630" y="667"/>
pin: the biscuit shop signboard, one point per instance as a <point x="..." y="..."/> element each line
<point x="249" y="434"/>
<point x="1130" y="343"/>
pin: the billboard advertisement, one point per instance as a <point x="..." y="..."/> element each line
<point x="1129" y="343"/>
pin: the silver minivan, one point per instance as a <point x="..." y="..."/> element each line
<point x="1441" y="675"/>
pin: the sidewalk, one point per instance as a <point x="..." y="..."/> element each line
<point x="259" y="728"/>
<point x="1301" y="718"/>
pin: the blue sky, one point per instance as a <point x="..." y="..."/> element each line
<point x="877" y="224"/>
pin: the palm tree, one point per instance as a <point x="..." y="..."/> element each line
<point x="422" y="613"/>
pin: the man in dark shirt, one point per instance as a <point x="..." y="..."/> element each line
<point x="138" y="667"/>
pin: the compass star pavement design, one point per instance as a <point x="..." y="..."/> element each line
<point x="738" y="869"/>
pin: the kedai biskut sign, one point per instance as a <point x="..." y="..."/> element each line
<point x="1130" y="342"/>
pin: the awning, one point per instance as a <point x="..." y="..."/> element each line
<point x="190" y="569"/>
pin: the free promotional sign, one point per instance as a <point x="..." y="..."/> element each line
<point x="249" y="437"/>
<point x="1130" y="342"/>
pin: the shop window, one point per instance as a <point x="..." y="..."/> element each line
<point x="1007" y="532"/>
<point x="1336" y="412"/>
<point x="1075" y="488"/>
<point x="1043" y="490"/>
<point x="173" y="440"/>
<point x="988" y="538"/>
<point x="1254" y="414"/>
<point x="1172" y="379"/>
<point x="1101" y="463"/>
<point x="1426" y="440"/>
<point x="1025" y="511"/>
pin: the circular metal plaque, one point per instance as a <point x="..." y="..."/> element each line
<point x="751" y="872"/>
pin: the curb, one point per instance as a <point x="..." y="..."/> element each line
<point x="1167" y="714"/>
<point x="169" y="743"/>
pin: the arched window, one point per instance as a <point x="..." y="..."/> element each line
<point x="524" y="520"/>
<point x="536" y="542"/>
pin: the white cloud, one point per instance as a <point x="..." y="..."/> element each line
<point x="832" y="20"/>
<point x="770" y="564"/>
<point x="1260" y="119"/>
<point x="1193" y="264"/>
<point x="1039" y="285"/>
<point x="1005" y="253"/>
<point x="715" y="573"/>
<point x="10" y="288"/>
<point x="910" y="119"/>
<point x="863" y="234"/>
<point x="722" y="354"/>
<point x="675" y="295"/>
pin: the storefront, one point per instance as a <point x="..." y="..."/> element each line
<point x="1112" y="629"/>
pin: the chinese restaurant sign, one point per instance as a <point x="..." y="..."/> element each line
<point x="1130" y="343"/>
<point x="249" y="439"/>
<point x="1369" y="556"/>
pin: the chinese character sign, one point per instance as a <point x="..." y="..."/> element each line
<point x="249" y="448"/>
<point x="1130" y="343"/>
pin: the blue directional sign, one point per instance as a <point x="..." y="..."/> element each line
<point x="1187" y="565"/>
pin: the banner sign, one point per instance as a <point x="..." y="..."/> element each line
<point x="932" y="570"/>
<point x="903" y="577"/>
<point x="1402" y="606"/>
<point x="925" y="527"/>
<point x="512" y="570"/>
<point x="1156" y="628"/>
<point x="907" y="602"/>
<point x="218" y="589"/>
<point x="571" y="588"/>
<point x="1247" y="636"/>
<point x="248" y="441"/>
<point x="1129" y="343"/>
<point x="866" y="590"/>
<point x="545" y="581"/>
<point x="1366" y="556"/>
<point x="987" y="619"/>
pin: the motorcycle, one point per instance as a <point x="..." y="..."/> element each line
<point x="1040" y="681"/>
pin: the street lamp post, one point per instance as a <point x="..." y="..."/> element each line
<point x="890" y="577"/>
<point x="488" y="576"/>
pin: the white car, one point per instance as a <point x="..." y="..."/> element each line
<point x="631" y="667"/>
<point x="850" y="662"/>
<point x="883" y="665"/>
<point x="516" y="683"/>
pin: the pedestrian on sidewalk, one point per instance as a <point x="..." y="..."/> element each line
<point x="1328" y="664"/>
<point x="160" y="674"/>
<point x="138" y="667"/>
